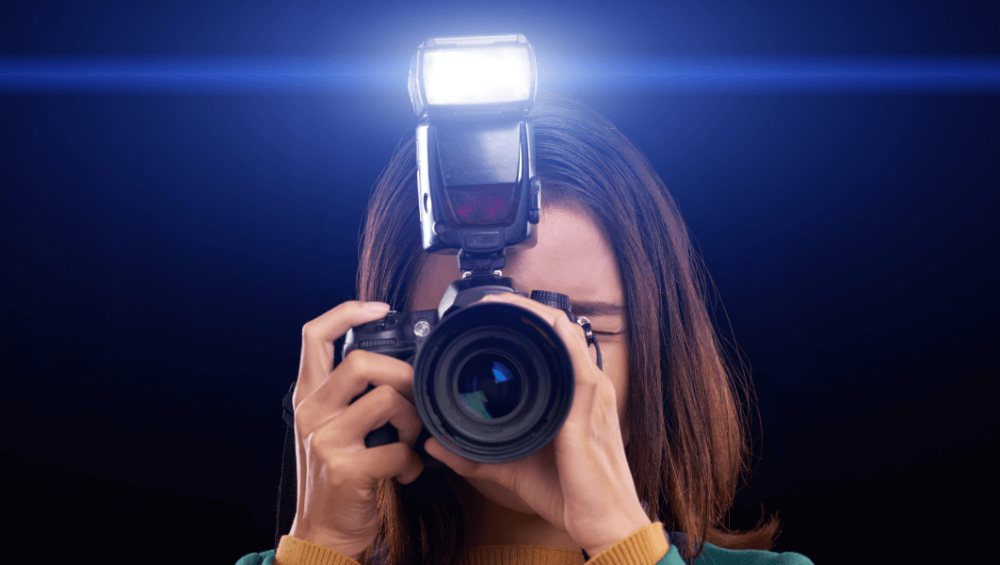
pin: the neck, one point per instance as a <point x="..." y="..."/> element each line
<point x="489" y="523"/>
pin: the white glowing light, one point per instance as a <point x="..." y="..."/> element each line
<point x="477" y="75"/>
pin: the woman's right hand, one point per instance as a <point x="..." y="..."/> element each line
<point x="337" y="475"/>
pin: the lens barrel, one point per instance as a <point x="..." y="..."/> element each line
<point x="493" y="382"/>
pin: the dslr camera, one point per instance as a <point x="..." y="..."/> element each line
<point x="492" y="381"/>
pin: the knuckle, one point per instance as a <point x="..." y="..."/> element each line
<point x="324" y="442"/>
<point x="338" y="470"/>
<point x="339" y="464"/>
<point x="563" y="323"/>
<point x="309" y="330"/>
<point x="356" y="362"/>
<point x="385" y="394"/>
<point x="555" y="312"/>
<point x="310" y="443"/>
<point x="301" y="420"/>
<point x="587" y="379"/>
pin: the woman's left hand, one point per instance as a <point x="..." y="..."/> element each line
<point x="588" y="489"/>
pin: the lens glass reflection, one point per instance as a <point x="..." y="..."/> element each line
<point x="489" y="386"/>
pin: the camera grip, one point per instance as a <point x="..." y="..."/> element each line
<point x="380" y="436"/>
<point x="389" y="434"/>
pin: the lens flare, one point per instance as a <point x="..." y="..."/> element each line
<point x="611" y="75"/>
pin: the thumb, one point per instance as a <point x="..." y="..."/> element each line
<point x="464" y="467"/>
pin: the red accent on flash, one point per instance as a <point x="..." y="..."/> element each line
<point x="482" y="205"/>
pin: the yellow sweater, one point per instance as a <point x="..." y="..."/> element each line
<point x="646" y="546"/>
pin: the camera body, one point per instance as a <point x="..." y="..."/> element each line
<point x="492" y="381"/>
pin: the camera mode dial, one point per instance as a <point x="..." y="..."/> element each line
<point x="553" y="299"/>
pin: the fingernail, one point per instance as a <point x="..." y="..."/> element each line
<point x="377" y="306"/>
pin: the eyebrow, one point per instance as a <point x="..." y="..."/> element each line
<point x="597" y="309"/>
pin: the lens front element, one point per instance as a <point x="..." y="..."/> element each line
<point x="490" y="385"/>
<point x="493" y="382"/>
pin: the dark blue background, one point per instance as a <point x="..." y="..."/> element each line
<point x="161" y="252"/>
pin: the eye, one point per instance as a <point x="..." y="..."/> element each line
<point x="604" y="336"/>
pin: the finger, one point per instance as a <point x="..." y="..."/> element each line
<point x="455" y="462"/>
<point x="569" y="331"/>
<point x="548" y="313"/>
<point x="393" y="460"/>
<point x="378" y="407"/>
<point x="350" y="379"/>
<point x="530" y="473"/>
<point x="318" y="336"/>
<point x="586" y="375"/>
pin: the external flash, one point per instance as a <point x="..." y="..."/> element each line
<point x="478" y="193"/>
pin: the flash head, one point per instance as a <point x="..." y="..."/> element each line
<point x="455" y="76"/>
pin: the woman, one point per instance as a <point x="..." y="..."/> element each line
<point x="653" y="441"/>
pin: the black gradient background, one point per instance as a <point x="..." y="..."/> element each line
<point x="162" y="251"/>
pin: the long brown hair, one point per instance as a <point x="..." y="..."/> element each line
<point x="683" y="399"/>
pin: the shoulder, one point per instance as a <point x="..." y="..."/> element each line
<point x="714" y="555"/>
<point x="262" y="558"/>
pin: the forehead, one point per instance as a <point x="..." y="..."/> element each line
<point x="572" y="256"/>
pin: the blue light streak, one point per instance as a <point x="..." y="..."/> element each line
<point x="619" y="75"/>
<point x="192" y="75"/>
<point x="783" y="75"/>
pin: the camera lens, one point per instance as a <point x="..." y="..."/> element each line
<point x="490" y="385"/>
<point x="493" y="382"/>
